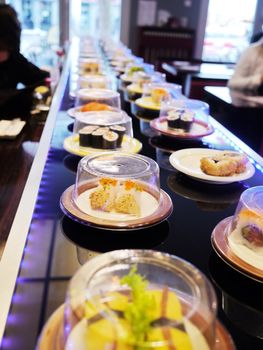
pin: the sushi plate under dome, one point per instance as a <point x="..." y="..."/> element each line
<point x="117" y="191"/>
<point x="71" y="145"/>
<point x="198" y="129"/>
<point x="52" y="335"/>
<point x="171" y="290"/>
<point x="238" y="239"/>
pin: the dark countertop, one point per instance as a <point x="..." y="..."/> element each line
<point x="236" y="98"/>
<point x="16" y="157"/>
<point x="57" y="246"/>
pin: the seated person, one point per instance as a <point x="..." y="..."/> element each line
<point x="14" y="68"/>
<point x="248" y="74"/>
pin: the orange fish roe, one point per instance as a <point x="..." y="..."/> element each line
<point x="108" y="182"/>
<point x="94" y="106"/>
<point x="131" y="184"/>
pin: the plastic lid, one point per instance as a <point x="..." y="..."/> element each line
<point x="119" y="165"/>
<point x="97" y="93"/>
<point x="103" y="117"/>
<point x="253" y="198"/>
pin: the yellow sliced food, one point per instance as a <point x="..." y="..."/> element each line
<point x="110" y="330"/>
<point x="148" y="103"/>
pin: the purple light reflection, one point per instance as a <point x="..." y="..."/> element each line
<point x="6" y="343"/>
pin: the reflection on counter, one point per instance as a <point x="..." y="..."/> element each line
<point x="90" y="238"/>
<point x="241" y="298"/>
<point x="70" y="127"/>
<point x="146" y="129"/>
<point x="170" y="145"/>
<point x="164" y="146"/>
<point x="71" y="162"/>
<point x="208" y="197"/>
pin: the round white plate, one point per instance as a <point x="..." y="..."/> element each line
<point x="78" y="337"/>
<point x="188" y="162"/>
<point x="149" y="205"/>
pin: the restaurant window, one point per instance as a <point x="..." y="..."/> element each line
<point x="40" y="29"/>
<point x="228" y="29"/>
<point x="100" y="17"/>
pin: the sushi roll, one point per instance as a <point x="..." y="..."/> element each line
<point x="120" y="130"/>
<point x="109" y="140"/>
<point x="186" y="120"/>
<point x="85" y="139"/>
<point x="96" y="137"/>
<point x="249" y="230"/>
<point x="173" y="119"/>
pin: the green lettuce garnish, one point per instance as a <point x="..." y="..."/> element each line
<point x="138" y="313"/>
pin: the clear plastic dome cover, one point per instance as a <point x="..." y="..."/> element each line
<point x="122" y="62"/>
<point x="246" y="229"/>
<point x="104" y="96"/>
<point x="134" y="68"/>
<point x="141" y="78"/>
<point x="159" y="92"/>
<point x="103" y="130"/>
<point x="148" y="106"/>
<point x="183" y="113"/>
<point x="139" y="298"/>
<point x="117" y="186"/>
<point x="90" y="65"/>
<point x="95" y="81"/>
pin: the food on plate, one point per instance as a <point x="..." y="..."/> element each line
<point x="94" y="106"/>
<point x="103" y="197"/>
<point x="186" y="120"/>
<point x="249" y="227"/>
<point x="135" y="315"/>
<point x="85" y="135"/>
<point x="101" y="137"/>
<point x="90" y="67"/>
<point x="180" y="119"/>
<point x="128" y="198"/>
<point x="120" y="130"/>
<point x="159" y="94"/>
<point x="92" y="82"/>
<point x="173" y="119"/>
<point x="134" y="69"/>
<point x="143" y="78"/>
<point x="224" y="164"/>
<point x="109" y="140"/>
<point x="118" y="196"/>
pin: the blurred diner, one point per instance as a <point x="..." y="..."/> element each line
<point x="15" y="68"/>
<point x="248" y="74"/>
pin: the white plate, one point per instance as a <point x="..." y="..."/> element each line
<point x="78" y="337"/>
<point x="188" y="162"/>
<point x="149" y="205"/>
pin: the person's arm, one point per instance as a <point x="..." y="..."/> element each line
<point x="246" y="76"/>
<point x="29" y="74"/>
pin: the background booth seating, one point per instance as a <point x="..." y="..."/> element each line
<point x="157" y="44"/>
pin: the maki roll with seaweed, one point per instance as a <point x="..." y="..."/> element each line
<point x="97" y="137"/>
<point x="109" y="140"/>
<point x="186" y="120"/>
<point x="173" y="119"/>
<point x="85" y="139"/>
<point x="120" y="130"/>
